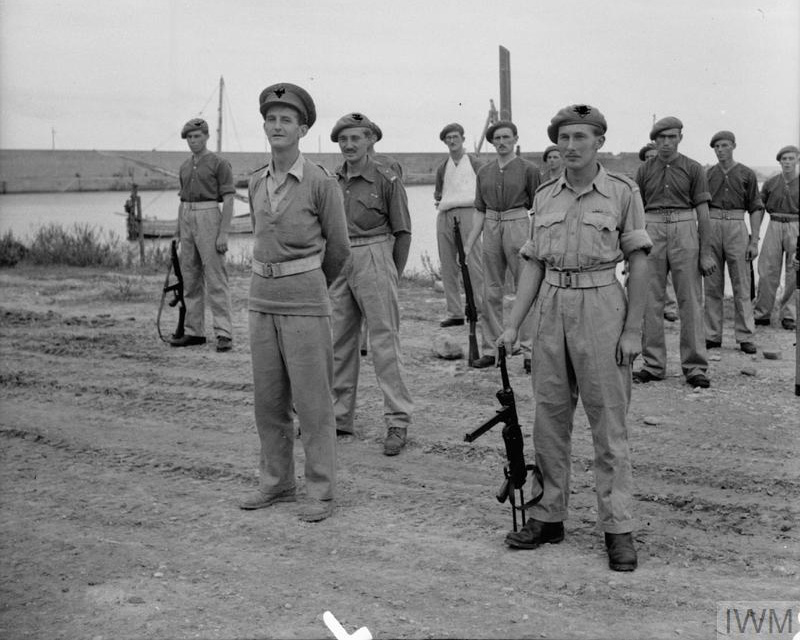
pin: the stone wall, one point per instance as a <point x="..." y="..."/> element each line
<point x="32" y="170"/>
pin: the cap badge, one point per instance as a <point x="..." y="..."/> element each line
<point x="358" y="117"/>
<point x="582" y="110"/>
<point x="280" y="91"/>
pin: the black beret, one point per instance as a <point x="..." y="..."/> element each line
<point x="501" y="124"/>
<point x="195" y="124"/>
<point x="643" y="151"/>
<point x="722" y="135"/>
<point x="448" y="128"/>
<point x="670" y="122"/>
<point x="354" y="119"/>
<point x="787" y="149"/>
<point x="289" y="95"/>
<point x="552" y="147"/>
<point x="576" y="114"/>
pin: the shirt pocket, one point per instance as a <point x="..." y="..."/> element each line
<point x="550" y="234"/>
<point x="369" y="212"/>
<point x="599" y="242"/>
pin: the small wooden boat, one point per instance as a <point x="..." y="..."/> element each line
<point x="165" y="228"/>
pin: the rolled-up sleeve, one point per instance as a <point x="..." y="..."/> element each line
<point x="633" y="236"/>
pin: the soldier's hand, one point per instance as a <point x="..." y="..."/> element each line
<point x="707" y="266"/>
<point x="628" y="347"/>
<point x="222" y="243"/>
<point x="752" y="251"/>
<point x="507" y="338"/>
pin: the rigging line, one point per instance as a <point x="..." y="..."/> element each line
<point x="229" y="111"/>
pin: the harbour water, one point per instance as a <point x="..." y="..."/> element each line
<point x="24" y="213"/>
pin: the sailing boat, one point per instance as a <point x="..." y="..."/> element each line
<point x="163" y="227"/>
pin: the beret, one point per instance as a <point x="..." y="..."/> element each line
<point x="643" y="151"/>
<point x="449" y="128"/>
<point x="552" y="147"/>
<point x="670" y="122"/>
<point x="722" y="135"/>
<point x="195" y="124"/>
<point x="354" y="119"/>
<point x="787" y="149"/>
<point x="289" y="95"/>
<point x="500" y="124"/>
<point x="576" y="114"/>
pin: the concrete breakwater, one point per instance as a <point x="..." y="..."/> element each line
<point x="41" y="171"/>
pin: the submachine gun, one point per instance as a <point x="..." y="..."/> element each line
<point x="516" y="472"/>
<point x="177" y="294"/>
<point x="470" y="311"/>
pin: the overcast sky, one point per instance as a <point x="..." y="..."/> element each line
<point x="124" y="74"/>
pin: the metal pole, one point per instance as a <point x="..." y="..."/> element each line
<point x="137" y="202"/>
<point x="219" y="114"/>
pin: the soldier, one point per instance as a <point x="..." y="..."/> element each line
<point x="205" y="181"/>
<point x="300" y="247"/>
<point x="780" y="196"/>
<point x="586" y="334"/>
<point x="673" y="187"/>
<point x="379" y="226"/>
<point x="454" y="198"/>
<point x="734" y="193"/>
<point x="503" y="195"/>
<point x="552" y="162"/>
<point x="670" y="304"/>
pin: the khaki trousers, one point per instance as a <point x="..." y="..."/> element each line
<point x="367" y="288"/>
<point x="203" y="269"/>
<point x="575" y="336"/>
<point x="502" y="240"/>
<point x="292" y="361"/>
<point x="675" y="250"/>
<point x="729" y="240"/>
<point x="777" y="249"/>
<point x="451" y="270"/>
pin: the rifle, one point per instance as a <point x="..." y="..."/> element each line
<point x="797" y="323"/>
<point x="470" y="311"/>
<point x="177" y="293"/>
<point x="516" y="472"/>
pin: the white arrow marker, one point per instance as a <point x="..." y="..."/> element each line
<point x="339" y="631"/>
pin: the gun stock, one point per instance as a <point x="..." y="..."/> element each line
<point x="470" y="310"/>
<point x="176" y="289"/>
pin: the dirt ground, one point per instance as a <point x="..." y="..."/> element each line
<point x="122" y="461"/>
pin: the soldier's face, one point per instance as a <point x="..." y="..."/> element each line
<point x="788" y="161"/>
<point x="667" y="142"/>
<point x="454" y="141"/>
<point x="196" y="140"/>
<point x="724" y="150"/>
<point x="579" y="144"/>
<point x="554" y="160"/>
<point x="354" y="143"/>
<point x="283" y="128"/>
<point x="504" y="141"/>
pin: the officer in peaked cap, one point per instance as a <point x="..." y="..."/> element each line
<point x="300" y="246"/>
<point x="504" y="191"/>
<point x="290" y="95"/>
<point x="576" y="114"/>
<point x="586" y="333"/>
<point x="195" y="124"/>
<point x="379" y="228"/>
<point x="675" y="192"/>
<point x="779" y="195"/>
<point x="670" y="122"/>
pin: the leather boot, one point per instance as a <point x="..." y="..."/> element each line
<point x="621" y="553"/>
<point x="535" y="533"/>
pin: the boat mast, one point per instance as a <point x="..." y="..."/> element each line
<point x="219" y="114"/>
<point x="505" y="84"/>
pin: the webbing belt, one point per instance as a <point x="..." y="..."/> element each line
<point x="287" y="268"/>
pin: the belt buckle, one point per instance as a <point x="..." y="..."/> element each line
<point x="667" y="213"/>
<point x="268" y="270"/>
<point x="566" y="279"/>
